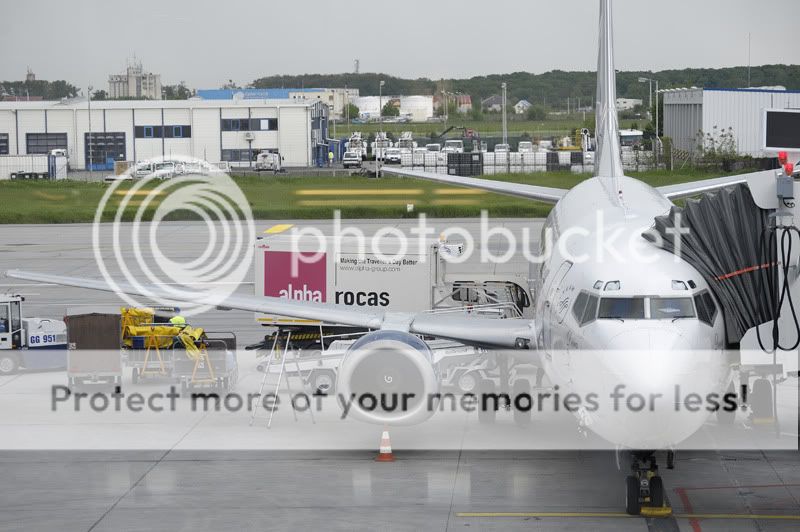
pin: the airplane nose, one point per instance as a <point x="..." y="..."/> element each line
<point x="647" y="339"/>
<point x="638" y="377"/>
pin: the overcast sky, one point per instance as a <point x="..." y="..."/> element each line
<point x="206" y="42"/>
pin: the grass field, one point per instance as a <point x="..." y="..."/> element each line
<point x="486" y="128"/>
<point x="285" y="197"/>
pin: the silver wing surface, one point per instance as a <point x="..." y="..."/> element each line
<point x="546" y="194"/>
<point x="472" y="330"/>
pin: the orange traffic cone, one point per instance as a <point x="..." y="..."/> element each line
<point x="385" y="453"/>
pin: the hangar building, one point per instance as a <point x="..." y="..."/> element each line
<point x="217" y="131"/>
<point x="687" y="112"/>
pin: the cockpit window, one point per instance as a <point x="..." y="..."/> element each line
<point x="706" y="309"/>
<point x="622" y="308"/>
<point x="590" y="314"/>
<point x="585" y="308"/>
<point x="579" y="306"/>
<point x="671" y="307"/>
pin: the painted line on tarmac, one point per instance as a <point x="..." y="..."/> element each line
<point x="360" y="192"/>
<point x="338" y="202"/>
<point x="459" y="191"/>
<point x="455" y="201"/>
<point x="749" y="486"/>
<point x="776" y="517"/>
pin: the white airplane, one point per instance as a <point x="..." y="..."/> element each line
<point x="608" y="305"/>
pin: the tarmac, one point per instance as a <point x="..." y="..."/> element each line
<point x="210" y="485"/>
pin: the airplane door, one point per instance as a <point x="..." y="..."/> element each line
<point x="550" y="318"/>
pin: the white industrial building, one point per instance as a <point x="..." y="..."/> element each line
<point x="688" y="112"/>
<point x="336" y="99"/>
<point x="217" y="131"/>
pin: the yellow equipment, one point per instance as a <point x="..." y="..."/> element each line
<point x="139" y="332"/>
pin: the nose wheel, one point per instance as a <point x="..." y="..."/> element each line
<point x="644" y="489"/>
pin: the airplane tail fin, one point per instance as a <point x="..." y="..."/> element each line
<point x="607" y="158"/>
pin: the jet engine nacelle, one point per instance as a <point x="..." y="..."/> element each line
<point x="388" y="377"/>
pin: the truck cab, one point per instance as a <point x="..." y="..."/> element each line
<point x="453" y="146"/>
<point x="30" y="343"/>
<point x="10" y="323"/>
<point x="267" y="160"/>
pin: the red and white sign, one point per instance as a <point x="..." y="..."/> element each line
<point x="309" y="284"/>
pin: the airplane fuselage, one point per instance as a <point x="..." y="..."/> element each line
<point x="613" y="309"/>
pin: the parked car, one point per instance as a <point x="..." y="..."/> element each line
<point x="166" y="170"/>
<point x="525" y="146"/>
<point x="502" y="148"/>
<point x="392" y="155"/>
<point x="351" y="159"/>
<point x="268" y="161"/>
<point x="433" y="147"/>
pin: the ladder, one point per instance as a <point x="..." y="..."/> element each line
<point x="279" y="351"/>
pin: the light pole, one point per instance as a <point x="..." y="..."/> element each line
<point x="380" y="127"/>
<point x="444" y="107"/>
<point x="650" y="81"/>
<point x="505" y="123"/>
<point x="347" y="108"/>
<point x="650" y="104"/>
<point x="658" y="140"/>
<point x="89" y="105"/>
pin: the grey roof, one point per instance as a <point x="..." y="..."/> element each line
<point x="81" y="103"/>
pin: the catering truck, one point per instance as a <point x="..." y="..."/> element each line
<point x="379" y="274"/>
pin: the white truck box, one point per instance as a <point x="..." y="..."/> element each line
<point x="420" y="280"/>
<point x="23" y="164"/>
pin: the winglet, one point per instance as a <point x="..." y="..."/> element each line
<point x="607" y="163"/>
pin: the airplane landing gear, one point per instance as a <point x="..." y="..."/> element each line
<point x="644" y="486"/>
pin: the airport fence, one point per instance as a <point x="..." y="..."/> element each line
<point x="530" y="162"/>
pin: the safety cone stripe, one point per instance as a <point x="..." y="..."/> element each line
<point x="385" y="452"/>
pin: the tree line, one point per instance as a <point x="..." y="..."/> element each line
<point x="550" y="89"/>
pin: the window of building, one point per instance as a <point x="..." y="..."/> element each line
<point x="45" y="142"/>
<point x="252" y="124"/>
<point x="177" y="132"/>
<point x="232" y="124"/>
<point x="3" y="143"/>
<point x="103" y="148"/>
<point x="157" y="132"/>
<point x="240" y="155"/>
<point x="264" y="124"/>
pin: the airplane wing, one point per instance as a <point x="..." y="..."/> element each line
<point x="472" y="330"/>
<point x="693" y="188"/>
<point x="546" y="194"/>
